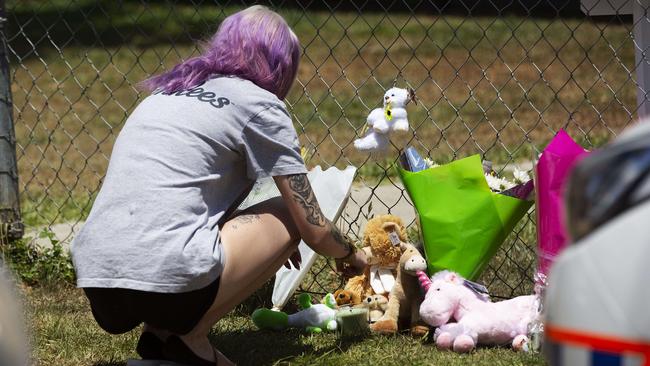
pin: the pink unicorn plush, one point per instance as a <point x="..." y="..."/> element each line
<point x="478" y="320"/>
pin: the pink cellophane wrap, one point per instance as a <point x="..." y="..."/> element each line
<point x="551" y="174"/>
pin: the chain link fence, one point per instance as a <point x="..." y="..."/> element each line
<point x="497" y="78"/>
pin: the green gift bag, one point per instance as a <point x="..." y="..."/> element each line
<point x="462" y="221"/>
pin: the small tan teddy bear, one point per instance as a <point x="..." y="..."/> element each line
<point x="377" y="305"/>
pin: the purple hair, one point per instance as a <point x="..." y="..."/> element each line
<point x="254" y="44"/>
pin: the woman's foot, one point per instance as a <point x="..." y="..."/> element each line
<point x="194" y="351"/>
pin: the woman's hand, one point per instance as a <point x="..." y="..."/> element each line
<point x="353" y="265"/>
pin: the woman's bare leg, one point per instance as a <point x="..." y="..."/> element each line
<point x="256" y="244"/>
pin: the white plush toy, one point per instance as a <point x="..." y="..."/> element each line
<point x="384" y="121"/>
<point x="313" y="318"/>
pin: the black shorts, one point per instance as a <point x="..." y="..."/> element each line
<point x="119" y="310"/>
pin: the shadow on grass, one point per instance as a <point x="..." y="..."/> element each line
<point x="269" y="347"/>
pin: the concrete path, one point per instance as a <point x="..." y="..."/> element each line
<point x="64" y="232"/>
<point x="362" y="205"/>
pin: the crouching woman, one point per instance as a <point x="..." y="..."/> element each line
<point x="164" y="245"/>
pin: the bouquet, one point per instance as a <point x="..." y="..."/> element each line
<point x="465" y="211"/>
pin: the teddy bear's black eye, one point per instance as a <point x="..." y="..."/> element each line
<point x="341" y="296"/>
<point x="369" y="299"/>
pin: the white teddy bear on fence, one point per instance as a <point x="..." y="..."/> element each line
<point x="384" y="121"/>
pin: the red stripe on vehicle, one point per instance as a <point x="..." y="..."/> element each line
<point x="599" y="342"/>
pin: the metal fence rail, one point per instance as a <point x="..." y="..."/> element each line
<point x="492" y="77"/>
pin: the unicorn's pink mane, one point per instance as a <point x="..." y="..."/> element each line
<point x="425" y="281"/>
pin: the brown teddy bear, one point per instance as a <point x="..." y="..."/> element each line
<point x="381" y="242"/>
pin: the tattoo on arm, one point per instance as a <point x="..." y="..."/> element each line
<point x="340" y="239"/>
<point x="303" y="194"/>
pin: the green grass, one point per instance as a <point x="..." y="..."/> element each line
<point x="64" y="333"/>
<point x="498" y="86"/>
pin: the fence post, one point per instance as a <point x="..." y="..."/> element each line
<point x="10" y="222"/>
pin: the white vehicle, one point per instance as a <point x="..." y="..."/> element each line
<point x="597" y="305"/>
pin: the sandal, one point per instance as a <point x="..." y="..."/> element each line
<point x="150" y="347"/>
<point x="177" y="351"/>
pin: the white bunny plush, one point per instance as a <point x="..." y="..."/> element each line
<point x="391" y="118"/>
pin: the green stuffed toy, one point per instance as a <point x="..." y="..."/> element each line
<point x="314" y="318"/>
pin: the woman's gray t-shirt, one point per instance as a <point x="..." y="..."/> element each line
<point x="179" y="165"/>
